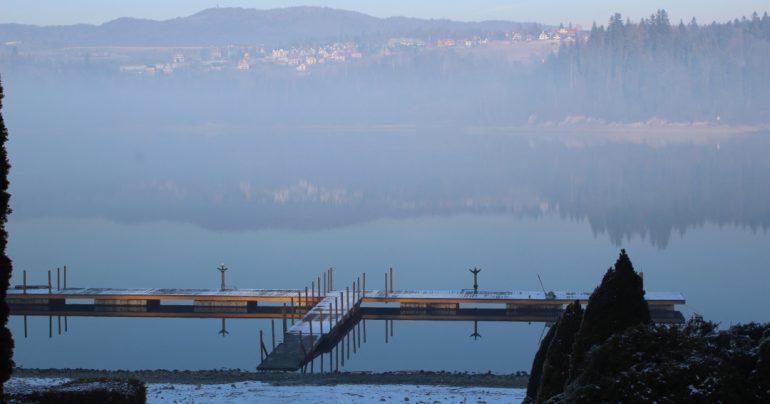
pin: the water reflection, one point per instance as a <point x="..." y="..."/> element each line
<point x="336" y="353"/>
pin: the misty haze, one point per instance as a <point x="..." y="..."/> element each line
<point x="285" y="142"/>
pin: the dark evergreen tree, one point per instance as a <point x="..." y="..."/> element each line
<point x="618" y="303"/>
<point x="6" y="341"/>
<point x="537" y="363"/>
<point x="556" y="364"/>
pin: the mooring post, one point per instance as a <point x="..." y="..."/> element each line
<point x="312" y="293"/>
<point x="311" y="327"/>
<point x="331" y="278"/>
<point x="475" y="273"/>
<point x="319" y="288"/>
<point x="65" y="277"/>
<point x="304" y="306"/>
<point x="58" y="278"/>
<point x="342" y="304"/>
<point x="24" y="283"/>
<point x="331" y="327"/>
<point x="299" y="301"/>
<point x="358" y="288"/>
<point x="326" y="289"/>
<point x="272" y="330"/>
<point x="283" y="317"/>
<point x="364" y="284"/>
<point x="49" y="281"/>
<point x="292" y="311"/>
<point x="321" y="322"/>
<point x="386" y="284"/>
<point x="336" y="308"/>
<point x="222" y="268"/>
<point x="347" y="299"/>
<point x="391" y="279"/>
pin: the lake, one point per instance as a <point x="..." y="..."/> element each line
<point x="165" y="209"/>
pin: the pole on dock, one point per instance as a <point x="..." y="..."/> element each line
<point x="24" y="283"/>
<point x="58" y="278"/>
<point x="331" y="278"/>
<point x="358" y="288"/>
<point x="321" y="316"/>
<point x="475" y="271"/>
<point x="292" y="311"/>
<point x="364" y="284"/>
<point x="336" y="307"/>
<point x="299" y="301"/>
<point x="326" y="289"/>
<point x="49" y="281"/>
<point x="65" y="277"/>
<point x="391" y="279"/>
<point x="347" y="299"/>
<point x="311" y="328"/>
<point x="312" y="292"/>
<point x="319" y="288"/>
<point x="283" y="316"/>
<point x="222" y="268"/>
<point x="272" y="330"/>
<point x="342" y="304"/>
<point x="330" y="318"/>
<point x="386" y="284"/>
<point x="306" y="299"/>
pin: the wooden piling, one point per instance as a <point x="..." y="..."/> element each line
<point x="49" y="281"/>
<point x="307" y="301"/>
<point x="24" y="284"/>
<point x="348" y="344"/>
<point x="319" y="288"/>
<point x="65" y="324"/>
<point x="364" y="284"/>
<point x="312" y="292"/>
<point x="386" y="284"/>
<point x="311" y="328"/>
<point x="359" y="334"/>
<point x="336" y="308"/>
<point x="58" y="278"/>
<point x="283" y="317"/>
<point x="330" y="318"/>
<point x="391" y="279"/>
<point x="292" y="311"/>
<point x="331" y="278"/>
<point x="321" y="317"/>
<point x="272" y="330"/>
<point x="65" y="277"/>
<point x="347" y="299"/>
<point x="326" y="290"/>
<point x="358" y="288"/>
<point x="342" y="305"/>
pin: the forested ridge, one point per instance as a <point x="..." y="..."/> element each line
<point x="630" y="71"/>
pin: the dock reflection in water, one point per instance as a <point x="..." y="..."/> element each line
<point x="336" y="351"/>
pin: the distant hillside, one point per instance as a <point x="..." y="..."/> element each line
<point x="223" y="26"/>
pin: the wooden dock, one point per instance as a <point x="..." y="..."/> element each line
<point x="325" y="314"/>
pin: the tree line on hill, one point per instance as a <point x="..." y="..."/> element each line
<point x="685" y="72"/>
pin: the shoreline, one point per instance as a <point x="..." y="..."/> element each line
<point x="225" y="376"/>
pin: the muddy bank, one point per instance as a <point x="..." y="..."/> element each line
<point x="289" y="378"/>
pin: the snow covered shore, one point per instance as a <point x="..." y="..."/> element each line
<point x="253" y="391"/>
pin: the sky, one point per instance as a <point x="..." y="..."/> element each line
<point x="57" y="12"/>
